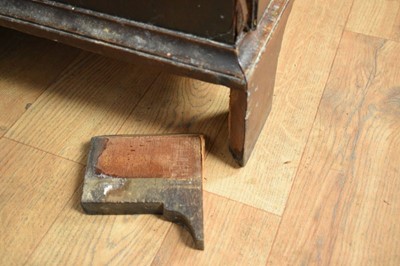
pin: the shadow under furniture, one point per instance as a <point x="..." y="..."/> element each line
<point x="235" y="43"/>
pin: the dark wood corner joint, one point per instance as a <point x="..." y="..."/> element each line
<point x="243" y="36"/>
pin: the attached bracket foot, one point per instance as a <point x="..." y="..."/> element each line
<point x="250" y="103"/>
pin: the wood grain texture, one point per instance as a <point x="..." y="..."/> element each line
<point x="235" y="235"/>
<point x="343" y="207"/>
<point x="345" y="203"/>
<point x="28" y="66"/>
<point x="304" y="67"/>
<point x="379" y="18"/>
<point x="34" y="188"/>
<point x="396" y="28"/>
<point x="80" y="239"/>
<point x="180" y="105"/>
<point x="94" y="97"/>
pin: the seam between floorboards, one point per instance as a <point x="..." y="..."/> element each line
<point x="130" y="113"/>
<point x="309" y="133"/>
<point x="36" y="148"/>
<point x="52" y="224"/>
<point x="394" y="26"/>
<point x="225" y="197"/>
<point x="139" y="101"/>
<point x="372" y="36"/>
<point x="51" y="83"/>
<point x="162" y="243"/>
<point x="368" y="85"/>
<point x="57" y="78"/>
<point x="54" y="81"/>
<point x="133" y="109"/>
<point x="245" y="204"/>
<point x="215" y="194"/>
<point x="216" y="138"/>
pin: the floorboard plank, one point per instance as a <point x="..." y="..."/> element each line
<point x="303" y="70"/>
<point x="345" y="204"/>
<point x="28" y="65"/>
<point x="379" y="18"/>
<point x="80" y="239"/>
<point x="396" y="28"/>
<point x="235" y="234"/>
<point x="180" y="105"/>
<point x="34" y="188"/>
<point x="94" y="97"/>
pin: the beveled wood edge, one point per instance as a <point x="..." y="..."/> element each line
<point x="133" y="23"/>
<point x="136" y="42"/>
<point x="233" y="67"/>
<point x="180" y="53"/>
<point x="253" y="44"/>
<point x="250" y="107"/>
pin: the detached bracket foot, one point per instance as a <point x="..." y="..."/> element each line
<point x="147" y="175"/>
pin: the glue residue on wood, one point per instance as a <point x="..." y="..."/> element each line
<point x="171" y="156"/>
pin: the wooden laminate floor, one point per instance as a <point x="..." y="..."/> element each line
<point x="322" y="186"/>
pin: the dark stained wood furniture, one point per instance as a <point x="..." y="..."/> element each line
<point x="235" y="43"/>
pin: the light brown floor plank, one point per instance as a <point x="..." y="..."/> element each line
<point x="396" y="27"/>
<point x="28" y="65"/>
<point x="80" y="239"/>
<point x="34" y="187"/>
<point x="94" y="97"/>
<point x="344" y="208"/>
<point x="380" y="18"/>
<point x="235" y="234"/>
<point x="304" y="67"/>
<point x="180" y="105"/>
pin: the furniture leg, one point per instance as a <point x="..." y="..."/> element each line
<point x="247" y="66"/>
<point x="251" y="104"/>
